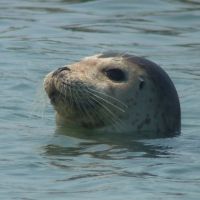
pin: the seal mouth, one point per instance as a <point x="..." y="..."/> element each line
<point x="78" y="102"/>
<point x="54" y="95"/>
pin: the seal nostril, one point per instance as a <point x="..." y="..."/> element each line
<point x="65" y="68"/>
<point x="60" y="70"/>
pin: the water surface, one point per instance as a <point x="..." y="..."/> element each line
<point x="37" y="162"/>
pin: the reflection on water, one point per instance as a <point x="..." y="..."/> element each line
<point x="38" y="162"/>
<point x="76" y="1"/>
<point x="104" y="146"/>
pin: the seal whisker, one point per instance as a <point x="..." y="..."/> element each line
<point x="123" y="53"/>
<point x="111" y="97"/>
<point x="94" y="115"/>
<point x="84" y="110"/>
<point x="108" y="102"/>
<point x="101" y="101"/>
<point x="106" y="115"/>
<point x="76" y="101"/>
<point x="95" y="112"/>
<point x="114" y="117"/>
<point x="67" y="88"/>
<point x="65" y="91"/>
<point x="75" y="96"/>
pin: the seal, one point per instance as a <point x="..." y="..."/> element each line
<point x="113" y="92"/>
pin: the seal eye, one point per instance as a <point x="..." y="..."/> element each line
<point x="115" y="74"/>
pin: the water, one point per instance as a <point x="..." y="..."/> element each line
<point x="36" y="162"/>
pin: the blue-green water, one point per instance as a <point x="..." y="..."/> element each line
<point x="37" y="36"/>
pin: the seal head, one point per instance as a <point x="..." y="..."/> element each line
<point x="114" y="92"/>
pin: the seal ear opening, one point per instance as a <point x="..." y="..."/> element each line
<point x="142" y="82"/>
